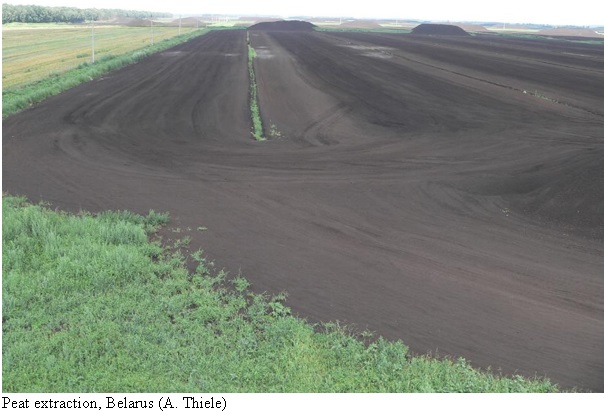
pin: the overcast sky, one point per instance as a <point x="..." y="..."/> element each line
<point x="578" y="12"/>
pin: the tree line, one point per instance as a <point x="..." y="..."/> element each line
<point x="41" y="14"/>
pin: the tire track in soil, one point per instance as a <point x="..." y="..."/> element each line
<point x="401" y="200"/>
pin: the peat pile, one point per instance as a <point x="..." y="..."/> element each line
<point x="283" y="26"/>
<point x="141" y="22"/>
<point x="438" y="29"/>
<point x="186" y="21"/>
<point x="470" y="27"/>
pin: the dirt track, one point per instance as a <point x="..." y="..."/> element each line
<point x="446" y="192"/>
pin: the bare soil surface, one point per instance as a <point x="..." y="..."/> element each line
<point x="445" y="191"/>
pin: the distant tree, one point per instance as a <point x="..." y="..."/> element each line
<point x="40" y="14"/>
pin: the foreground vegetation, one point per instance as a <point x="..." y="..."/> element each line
<point x="39" y="63"/>
<point x="91" y="305"/>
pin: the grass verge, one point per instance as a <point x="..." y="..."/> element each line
<point x="91" y="305"/>
<point x="32" y="52"/>
<point x="255" y="115"/>
<point x="14" y="100"/>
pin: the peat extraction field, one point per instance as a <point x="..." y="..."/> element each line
<point x="445" y="191"/>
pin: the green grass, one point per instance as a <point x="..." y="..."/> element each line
<point x="588" y="41"/>
<point x="22" y="96"/>
<point x="91" y="305"/>
<point x="255" y="114"/>
<point x="30" y="52"/>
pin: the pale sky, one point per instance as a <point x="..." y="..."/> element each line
<point x="578" y="12"/>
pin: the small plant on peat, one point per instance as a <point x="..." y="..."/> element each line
<point x="274" y="132"/>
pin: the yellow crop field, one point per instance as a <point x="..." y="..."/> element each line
<point x="35" y="51"/>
